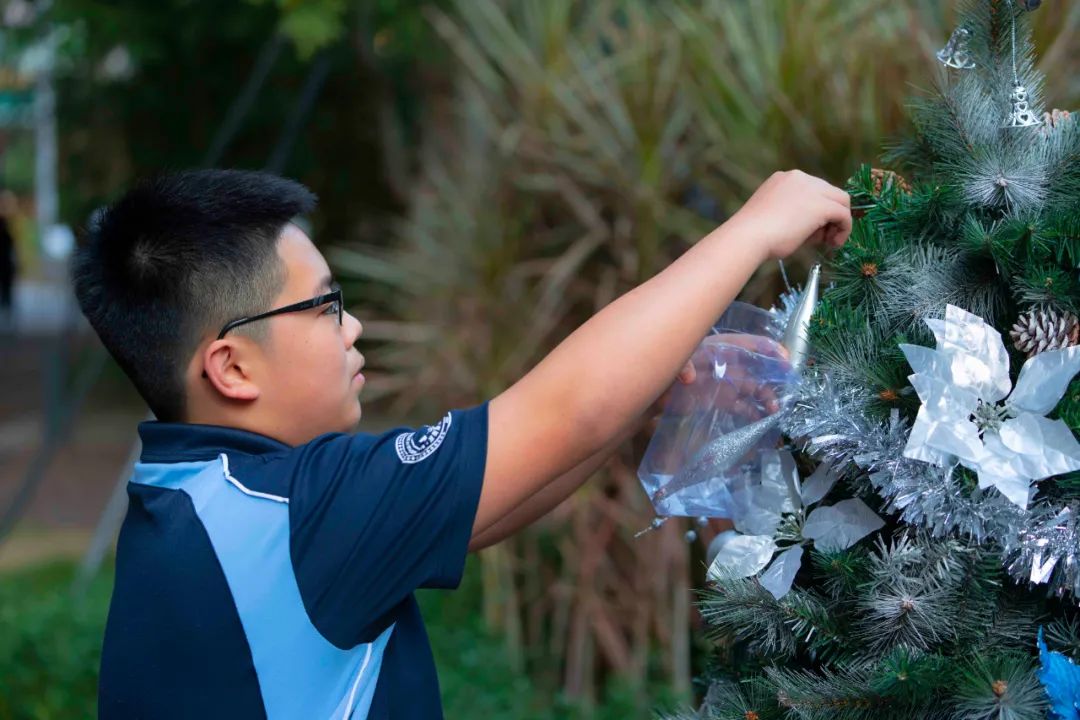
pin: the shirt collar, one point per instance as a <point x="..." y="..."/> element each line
<point x="164" y="442"/>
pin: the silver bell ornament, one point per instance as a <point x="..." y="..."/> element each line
<point x="955" y="54"/>
<point x="1022" y="114"/>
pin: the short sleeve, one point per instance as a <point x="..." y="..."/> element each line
<point x="375" y="517"/>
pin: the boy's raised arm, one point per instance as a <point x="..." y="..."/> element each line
<point x="611" y="368"/>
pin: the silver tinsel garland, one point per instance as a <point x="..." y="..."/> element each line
<point x="1039" y="545"/>
<point x="831" y="420"/>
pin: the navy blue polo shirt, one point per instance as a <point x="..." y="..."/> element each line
<point x="258" y="580"/>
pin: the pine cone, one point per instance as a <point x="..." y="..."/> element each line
<point x="1043" y="329"/>
<point x="1054" y="119"/>
<point x="883" y="177"/>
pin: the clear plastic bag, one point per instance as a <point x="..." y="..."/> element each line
<point x="712" y="431"/>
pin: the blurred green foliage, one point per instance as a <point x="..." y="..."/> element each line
<point x="50" y="647"/>
<point x="310" y="24"/>
<point x="50" y="644"/>
<point x="143" y="87"/>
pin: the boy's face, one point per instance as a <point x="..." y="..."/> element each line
<point x="312" y="380"/>
<point x="303" y="378"/>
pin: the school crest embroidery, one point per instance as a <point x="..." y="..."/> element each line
<point x="416" y="446"/>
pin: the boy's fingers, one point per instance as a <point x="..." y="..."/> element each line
<point x="838" y="239"/>
<point x="840" y="196"/>
<point x="831" y="235"/>
<point x="768" y="346"/>
<point x="840" y="218"/>
<point x="743" y="408"/>
<point x="688" y="374"/>
<point x="834" y="235"/>
<point x="760" y="344"/>
<point x="768" y="399"/>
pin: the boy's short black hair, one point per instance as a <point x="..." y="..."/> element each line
<point x="176" y="258"/>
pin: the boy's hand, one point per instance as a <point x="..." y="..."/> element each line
<point x="748" y="395"/>
<point x="792" y="208"/>
<point x="686" y="376"/>
<point x="745" y="388"/>
<point x="760" y="344"/>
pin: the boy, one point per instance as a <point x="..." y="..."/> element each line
<point x="267" y="563"/>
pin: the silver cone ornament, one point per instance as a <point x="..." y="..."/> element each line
<point x="797" y="334"/>
<point x="1021" y="114"/>
<point x="718" y="456"/>
<point x="956" y="54"/>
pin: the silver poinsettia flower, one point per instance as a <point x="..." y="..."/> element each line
<point x="972" y="416"/>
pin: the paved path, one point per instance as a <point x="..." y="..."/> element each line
<point x="81" y="476"/>
<point x="42" y="309"/>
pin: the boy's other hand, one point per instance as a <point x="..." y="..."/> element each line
<point x="759" y="344"/>
<point x="792" y="208"/>
<point x="746" y="393"/>
<point x="686" y="376"/>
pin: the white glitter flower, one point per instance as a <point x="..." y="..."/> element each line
<point x="972" y="416"/>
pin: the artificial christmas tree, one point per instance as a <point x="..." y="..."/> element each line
<point x="931" y="596"/>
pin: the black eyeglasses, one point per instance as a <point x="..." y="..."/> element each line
<point x="332" y="298"/>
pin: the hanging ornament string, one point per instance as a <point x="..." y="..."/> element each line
<point x="783" y="274"/>
<point x="1016" y="76"/>
<point x="1020" y="114"/>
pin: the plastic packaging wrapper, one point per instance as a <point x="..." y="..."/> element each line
<point x="712" y="434"/>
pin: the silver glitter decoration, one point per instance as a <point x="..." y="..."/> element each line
<point x="1022" y="115"/>
<point x="719" y="455"/>
<point x="797" y="335"/>
<point x="955" y="54"/>
<point x="832" y="422"/>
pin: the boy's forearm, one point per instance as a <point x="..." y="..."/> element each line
<point x="550" y="496"/>
<point x="608" y="372"/>
<point x="611" y="368"/>
<point x="622" y="359"/>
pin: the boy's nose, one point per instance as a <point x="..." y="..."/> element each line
<point x="352" y="327"/>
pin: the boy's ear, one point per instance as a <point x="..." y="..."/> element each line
<point x="226" y="366"/>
